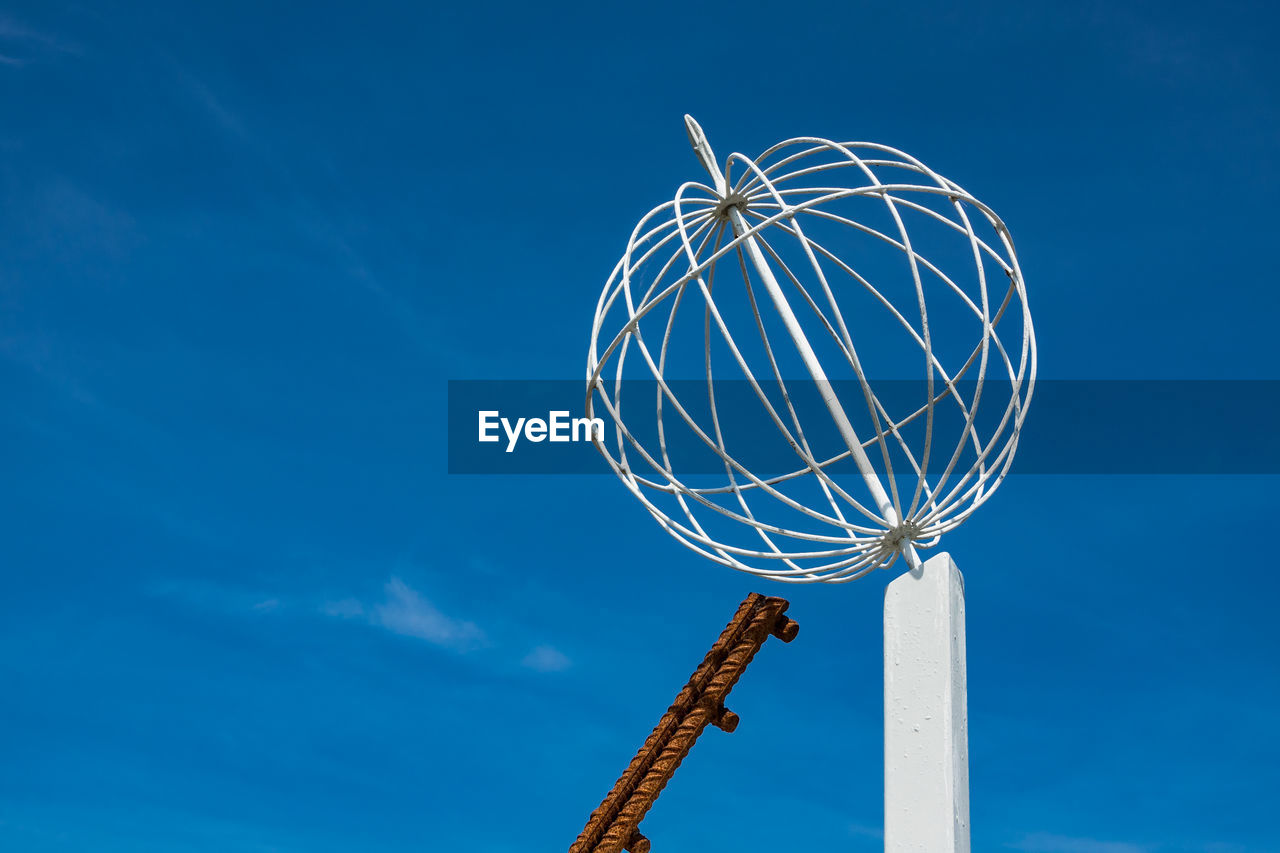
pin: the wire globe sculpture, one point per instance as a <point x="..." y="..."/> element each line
<point x="818" y="270"/>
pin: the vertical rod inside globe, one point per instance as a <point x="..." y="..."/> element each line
<point x="811" y="363"/>
<point x="741" y="230"/>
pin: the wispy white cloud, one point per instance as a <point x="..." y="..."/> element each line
<point x="215" y="596"/>
<point x="546" y="659"/>
<point x="213" y="106"/>
<point x="78" y="228"/>
<point x="1047" y="842"/>
<point x="22" y="43"/>
<point x="406" y="612"/>
<point x="400" y="609"/>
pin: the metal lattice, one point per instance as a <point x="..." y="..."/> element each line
<point x="827" y="226"/>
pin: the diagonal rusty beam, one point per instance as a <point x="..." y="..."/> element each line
<point x="604" y="815"/>
<point x="614" y="825"/>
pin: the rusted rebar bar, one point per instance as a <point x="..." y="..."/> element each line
<point x="604" y="815"/>
<point x="614" y="825"/>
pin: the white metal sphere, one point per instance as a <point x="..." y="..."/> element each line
<point x="844" y="265"/>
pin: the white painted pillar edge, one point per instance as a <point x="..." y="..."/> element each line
<point x="926" y="739"/>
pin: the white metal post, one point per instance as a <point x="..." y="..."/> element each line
<point x="926" y="741"/>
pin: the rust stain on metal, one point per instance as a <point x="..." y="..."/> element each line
<point x="615" y="825"/>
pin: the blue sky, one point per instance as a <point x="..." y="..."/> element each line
<point x="244" y="246"/>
